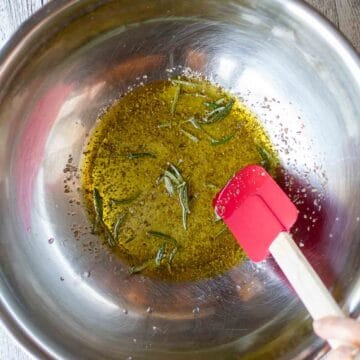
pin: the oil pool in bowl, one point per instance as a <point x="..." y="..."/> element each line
<point x="152" y="165"/>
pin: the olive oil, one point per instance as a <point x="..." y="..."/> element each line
<point x="154" y="162"/>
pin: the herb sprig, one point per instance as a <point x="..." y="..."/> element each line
<point x="217" y="114"/>
<point x="175" y="99"/>
<point x="167" y="250"/>
<point x="164" y="248"/>
<point x="174" y="182"/>
<point x="119" y="222"/>
<point x="99" y="222"/>
<point x="213" y="141"/>
<point x="140" y="268"/>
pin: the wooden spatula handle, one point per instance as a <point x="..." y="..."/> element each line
<point x="303" y="278"/>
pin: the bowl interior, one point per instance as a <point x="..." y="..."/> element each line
<point x="66" y="291"/>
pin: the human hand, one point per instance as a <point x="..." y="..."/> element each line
<point x="344" y="330"/>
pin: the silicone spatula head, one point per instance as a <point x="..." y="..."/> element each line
<point x="255" y="209"/>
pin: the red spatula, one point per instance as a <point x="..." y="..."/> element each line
<point x="259" y="214"/>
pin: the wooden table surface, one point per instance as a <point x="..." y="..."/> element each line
<point x="344" y="14"/>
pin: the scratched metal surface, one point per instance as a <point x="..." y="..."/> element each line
<point x="344" y="14"/>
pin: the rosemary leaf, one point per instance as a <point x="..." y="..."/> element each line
<point x="220" y="101"/>
<point x="165" y="125"/>
<point x="218" y="114"/>
<point x="172" y="255"/>
<point x="98" y="206"/>
<point x="211" y="105"/>
<point x="119" y="222"/>
<point x="183" y="192"/>
<point x="217" y="217"/>
<point x="211" y="186"/>
<point x="177" y="173"/>
<point x="172" y="177"/>
<point x="161" y="235"/>
<point x="194" y="123"/>
<point x="196" y="94"/>
<point x="169" y="186"/>
<point x="190" y="136"/>
<point x="175" y="99"/>
<point x="184" y="202"/>
<point x="171" y="258"/>
<point x="215" y="111"/>
<point x="160" y="254"/>
<point x="215" y="104"/>
<point x="125" y="201"/>
<point x="198" y="126"/>
<point x="265" y="157"/>
<point x="108" y="234"/>
<point x="140" y="155"/>
<point x="222" y="141"/>
<point x="139" y="268"/>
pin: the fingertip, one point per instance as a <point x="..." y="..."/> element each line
<point x="324" y="323"/>
<point x="317" y="324"/>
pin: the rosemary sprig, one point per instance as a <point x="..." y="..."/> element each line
<point x="171" y="258"/>
<point x="214" y="105"/>
<point x="140" y="155"/>
<point x="164" y="125"/>
<point x="265" y="157"/>
<point x="125" y="201"/>
<point x="217" y="218"/>
<point x="176" y="172"/>
<point x="222" y="141"/>
<point x="98" y="207"/>
<point x="137" y="269"/>
<point x="169" y="186"/>
<point x="195" y="94"/>
<point x="211" y="186"/>
<point x="175" y="99"/>
<point x="218" y="113"/>
<point x="119" y="222"/>
<point x="160" y="254"/>
<point x="195" y="123"/>
<point x="184" y="202"/>
<point x="173" y="175"/>
<point x="190" y="136"/>
<point x="172" y="255"/>
<point x="108" y="235"/>
<point x="211" y="105"/>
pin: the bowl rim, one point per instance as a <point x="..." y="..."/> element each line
<point x="10" y="54"/>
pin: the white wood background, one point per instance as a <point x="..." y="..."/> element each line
<point x="344" y="14"/>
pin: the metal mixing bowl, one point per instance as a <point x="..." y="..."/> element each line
<point x="63" y="294"/>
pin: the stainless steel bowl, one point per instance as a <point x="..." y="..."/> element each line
<point x="65" y="296"/>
